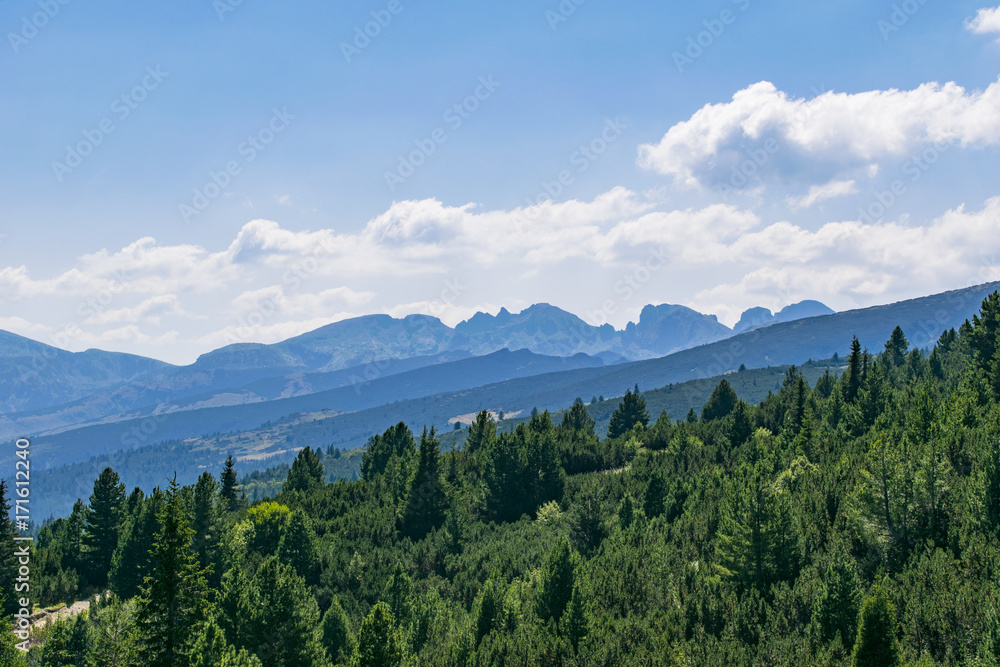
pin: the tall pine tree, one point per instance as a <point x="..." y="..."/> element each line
<point x="102" y="526"/>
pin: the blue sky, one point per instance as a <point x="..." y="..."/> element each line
<point x="135" y="248"/>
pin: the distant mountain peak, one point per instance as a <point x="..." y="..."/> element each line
<point x="754" y="318"/>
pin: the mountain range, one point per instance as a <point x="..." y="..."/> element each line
<point x="43" y="388"/>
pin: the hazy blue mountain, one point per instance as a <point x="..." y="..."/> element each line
<point x="664" y="329"/>
<point x="753" y="318"/>
<point x="347" y="424"/>
<point x="34" y="374"/>
<point x="541" y="328"/>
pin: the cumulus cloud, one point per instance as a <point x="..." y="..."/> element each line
<point x="819" y="193"/>
<point x="764" y="134"/>
<point x="986" y="21"/>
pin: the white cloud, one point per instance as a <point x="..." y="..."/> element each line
<point x="818" y="193"/>
<point x="766" y="134"/>
<point x="986" y="21"/>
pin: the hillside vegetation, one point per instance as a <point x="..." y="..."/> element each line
<point x="852" y="522"/>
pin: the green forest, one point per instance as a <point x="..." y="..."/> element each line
<point x="850" y="521"/>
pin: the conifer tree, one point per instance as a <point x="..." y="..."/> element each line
<point x="132" y="561"/>
<point x="103" y="520"/>
<point x="578" y="420"/>
<point x="555" y="586"/>
<point x="896" y="348"/>
<point x="338" y="640"/>
<point x="876" y="644"/>
<point x="205" y="523"/>
<point x="8" y="559"/>
<point x="212" y="650"/>
<point x="575" y="621"/>
<point x="631" y="411"/>
<point x="380" y="642"/>
<point x="174" y="599"/>
<point x="230" y="493"/>
<point x="426" y="502"/>
<point x="722" y="401"/>
<point x="489" y="608"/>
<point x="396" y="441"/>
<point x="298" y="547"/>
<point x="279" y="618"/>
<point x="854" y="371"/>
<point x="836" y="609"/>
<point x="306" y="474"/>
<point x="655" y="495"/>
<point x="481" y="431"/>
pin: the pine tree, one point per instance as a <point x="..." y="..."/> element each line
<point x="875" y="645"/>
<point x="306" y="474"/>
<point x="132" y="561"/>
<point x="174" y="599"/>
<point x="8" y="559"/>
<point x="631" y="411"/>
<point x="212" y="650"/>
<point x="488" y="609"/>
<point x="298" y="547"/>
<point x="338" y="640"/>
<point x="396" y="441"/>
<point x="481" y="431"/>
<point x="578" y="419"/>
<point x="103" y="525"/>
<point x="380" y="642"/>
<point x="991" y="480"/>
<point x="205" y="523"/>
<point x="854" y="372"/>
<point x="722" y="401"/>
<point x="896" y="348"/>
<point x="985" y="332"/>
<point x="836" y="608"/>
<point x="278" y="618"/>
<point x="575" y="621"/>
<point x="555" y="586"/>
<point x="426" y="502"/>
<point x="230" y="493"/>
<point x="655" y="495"/>
<point x="114" y="633"/>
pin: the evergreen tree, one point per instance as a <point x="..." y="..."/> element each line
<point x="481" y="431"/>
<point x="722" y="401"/>
<point x="212" y="650"/>
<point x="692" y="416"/>
<point x="575" y="621"/>
<point x="8" y="558"/>
<point x="985" y="332"/>
<point x="380" y="642"/>
<point x="740" y="424"/>
<point x="426" y="502"/>
<point x="836" y="608"/>
<point x="854" y="371"/>
<point x="991" y="480"/>
<point x="132" y="561"/>
<point x="174" y="599"/>
<point x="896" y="348"/>
<point x="230" y="493"/>
<point x="205" y="523"/>
<point x="306" y="474"/>
<point x="115" y="637"/>
<point x="488" y="609"/>
<point x="396" y="441"/>
<point x="876" y="645"/>
<point x="655" y="495"/>
<point x="578" y="419"/>
<point x="102" y="525"/>
<point x="278" y="618"/>
<point x="555" y="586"/>
<point x="338" y="640"/>
<point x="298" y="547"/>
<point x="631" y="411"/>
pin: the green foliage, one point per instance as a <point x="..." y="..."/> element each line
<point x="174" y="599"/>
<point x="555" y="585"/>
<point x="337" y="638"/>
<point x="875" y="645"/>
<point x="380" y="642"/>
<point x="103" y="525"/>
<point x="722" y="401"/>
<point x="230" y="492"/>
<point x="426" y="503"/>
<point x="631" y="411"/>
<point x="397" y="441"/>
<point x="297" y="547"/>
<point x="306" y="474"/>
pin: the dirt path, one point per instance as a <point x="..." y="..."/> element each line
<point x="43" y="616"/>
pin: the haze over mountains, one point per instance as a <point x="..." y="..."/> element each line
<point x="44" y="387"/>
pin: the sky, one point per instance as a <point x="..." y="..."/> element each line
<point x="178" y="177"/>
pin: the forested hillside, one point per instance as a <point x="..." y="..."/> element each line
<point x="854" y="521"/>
